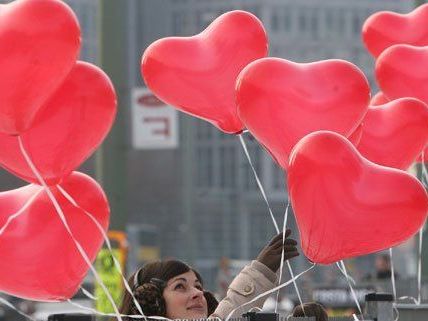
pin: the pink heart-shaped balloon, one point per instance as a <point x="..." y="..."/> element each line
<point x="68" y="129"/>
<point x="347" y="206"/>
<point x="385" y="29"/>
<point x="280" y="101"/>
<point x="197" y="74"/>
<point x="395" y="133"/>
<point x="39" y="44"/>
<point x="40" y="261"/>
<point x="401" y="71"/>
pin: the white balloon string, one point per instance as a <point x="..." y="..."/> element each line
<point x="394" y="288"/>
<point x="244" y="146"/>
<point x="282" y="255"/>
<point x="10" y="305"/>
<point x="67" y="227"/>
<point x="397" y="313"/>
<point x="424" y="179"/>
<point x="88" y="294"/>
<point x="259" y="184"/>
<point x="108" y="243"/>
<point x="348" y="277"/>
<point x="406" y="297"/>
<point x="351" y="288"/>
<point x="256" y="309"/>
<point x="269" y="291"/>
<point x="12" y="217"/>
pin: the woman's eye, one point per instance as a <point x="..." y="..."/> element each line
<point x="179" y="286"/>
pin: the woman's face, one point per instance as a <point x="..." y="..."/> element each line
<point x="184" y="297"/>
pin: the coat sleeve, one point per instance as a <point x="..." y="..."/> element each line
<point x="253" y="280"/>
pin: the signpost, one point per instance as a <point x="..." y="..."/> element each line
<point x="154" y="124"/>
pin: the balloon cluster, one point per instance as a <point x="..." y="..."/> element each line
<point x="345" y="157"/>
<point x="54" y="112"/>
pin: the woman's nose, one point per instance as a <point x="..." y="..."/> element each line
<point x="197" y="292"/>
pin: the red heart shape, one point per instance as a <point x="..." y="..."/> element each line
<point x="401" y="71"/>
<point x="347" y="206"/>
<point x="40" y="261"/>
<point x="39" y="44"/>
<point x="395" y="133"/>
<point x="197" y="74"/>
<point x="385" y="29"/>
<point x="280" y="101"/>
<point x="69" y="128"/>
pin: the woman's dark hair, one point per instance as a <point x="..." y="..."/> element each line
<point x="147" y="285"/>
<point x="311" y="309"/>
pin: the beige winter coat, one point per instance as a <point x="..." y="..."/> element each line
<point x="252" y="281"/>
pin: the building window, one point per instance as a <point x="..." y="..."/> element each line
<point x="288" y="20"/>
<point x="275" y="21"/>
<point x="314" y="24"/>
<point x="204" y="131"/>
<point x="278" y="178"/>
<point x="204" y="158"/>
<point x="228" y="169"/>
<point x="356" y="23"/>
<point x="303" y="26"/>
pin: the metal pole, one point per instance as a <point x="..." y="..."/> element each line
<point x="110" y="159"/>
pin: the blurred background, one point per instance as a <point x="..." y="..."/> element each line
<point x="177" y="186"/>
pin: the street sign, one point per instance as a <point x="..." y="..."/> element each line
<point x="154" y="124"/>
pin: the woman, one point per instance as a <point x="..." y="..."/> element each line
<point x="173" y="290"/>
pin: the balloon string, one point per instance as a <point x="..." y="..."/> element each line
<point x="348" y="277"/>
<point x="270" y="291"/>
<point x="282" y="255"/>
<point x="259" y="184"/>
<point x="351" y="288"/>
<point x="12" y="217"/>
<point x="288" y="263"/>
<point x="88" y="294"/>
<point x="244" y="146"/>
<point x="67" y="227"/>
<point x="424" y="170"/>
<point x="10" y="305"/>
<point x="394" y="288"/>
<point x="108" y="243"/>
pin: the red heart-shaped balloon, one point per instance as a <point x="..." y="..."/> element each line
<point x="280" y="101"/>
<point x="395" y="133"/>
<point x="68" y="129"/>
<point x="401" y="71"/>
<point x="40" y="261"/>
<point x="378" y="99"/>
<point x="347" y="206"/>
<point x="385" y="29"/>
<point x="197" y="74"/>
<point x="39" y="44"/>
